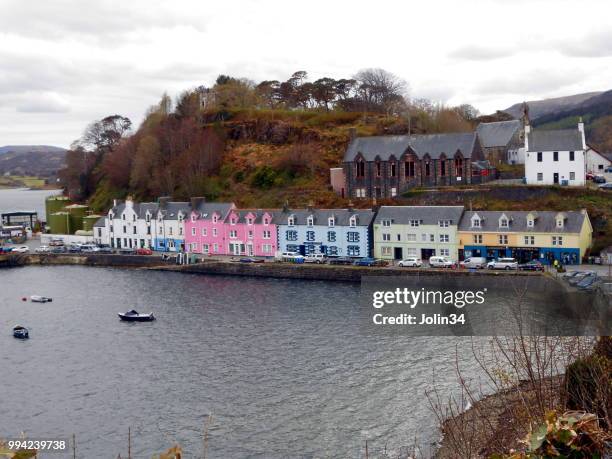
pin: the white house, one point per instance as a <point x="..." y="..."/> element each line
<point x="596" y="162"/>
<point x="555" y="157"/>
<point x="129" y="225"/>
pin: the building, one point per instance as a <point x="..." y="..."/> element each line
<point x="524" y="235"/>
<point x="337" y="180"/>
<point x="128" y="224"/>
<point x="385" y="166"/>
<point x="333" y="232"/>
<point x="26" y="219"/>
<point x="416" y="231"/>
<point x="169" y="234"/>
<point x="250" y="232"/>
<point x="503" y="141"/>
<point x="100" y="232"/>
<point x="596" y="162"/>
<point x="555" y="157"/>
<point x="205" y="227"/>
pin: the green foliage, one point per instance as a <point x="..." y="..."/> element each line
<point x="266" y="177"/>
<point x="587" y="384"/>
<point x="102" y="199"/>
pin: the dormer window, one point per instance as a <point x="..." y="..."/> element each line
<point x="291" y="220"/>
<point x="250" y="221"/>
<point x="353" y="221"/>
<point x="233" y="221"/>
<point x="386" y="223"/>
<point x="310" y="220"/>
<point x="193" y="217"/>
<point x="503" y="223"/>
<point x="266" y="221"/>
<point x="148" y="217"/>
<point x="111" y="216"/>
<point x="123" y="216"/>
<point x="559" y="223"/>
<point x="215" y="218"/>
<point x="180" y="217"/>
<point x="476" y="222"/>
<point x="331" y="222"/>
<point x="530" y="223"/>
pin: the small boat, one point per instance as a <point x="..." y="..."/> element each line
<point x="20" y="332"/>
<point x="40" y="299"/>
<point x="134" y="316"/>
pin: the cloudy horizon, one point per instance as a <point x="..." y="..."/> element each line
<point x="66" y="63"/>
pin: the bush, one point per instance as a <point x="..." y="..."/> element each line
<point x="266" y="177"/>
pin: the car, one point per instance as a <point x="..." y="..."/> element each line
<point x="292" y="256"/>
<point x="127" y="251"/>
<point x="59" y="249"/>
<point x="589" y="176"/>
<point x="474" y="262"/>
<point x="341" y="261"/>
<point x="21" y="249"/>
<point x="599" y="179"/>
<point x="74" y="248"/>
<point x="608" y="170"/>
<point x="365" y="262"/>
<point x="43" y="249"/>
<point x="503" y="263"/>
<point x="441" y="262"/>
<point x="317" y="258"/>
<point x="605" y="186"/>
<point x="580" y="275"/>
<point x="6" y="249"/>
<point x="533" y="265"/>
<point x="89" y="248"/>
<point x="144" y="251"/>
<point x="412" y="262"/>
<point x="588" y="282"/>
<point x="105" y="248"/>
<point x="250" y="260"/>
<point x="56" y="242"/>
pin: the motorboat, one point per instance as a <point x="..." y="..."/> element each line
<point x="20" y="332"/>
<point x="40" y="299"/>
<point x="135" y="316"/>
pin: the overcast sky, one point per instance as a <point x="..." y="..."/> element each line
<point x="64" y="63"/>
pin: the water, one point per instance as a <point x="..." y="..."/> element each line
<point x="283" y="366"/>
<point x="15" y="199"/>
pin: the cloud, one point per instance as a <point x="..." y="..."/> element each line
<point x="49" y="102"/>
<point x="481" y="53"/>
<point x="593" y="45"/>
<point x="534" y="81"/>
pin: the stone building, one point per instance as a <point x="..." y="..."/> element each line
<point x="503" y="141"/>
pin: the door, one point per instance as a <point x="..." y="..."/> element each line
<point x="556" y="178"/>
<point x="427" y="253"/>
<point x="398" y="253"/>
<point x="250" y="250"/>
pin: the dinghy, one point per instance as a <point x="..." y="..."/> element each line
<point x="20" y="332"/>
<point x="134" y="316"/>
<point x="40" y="299"/>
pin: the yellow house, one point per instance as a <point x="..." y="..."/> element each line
<point x="526" y="235"/>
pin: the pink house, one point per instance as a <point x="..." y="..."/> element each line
<point x="250" y="232"/>
<point x="205" y="227"/>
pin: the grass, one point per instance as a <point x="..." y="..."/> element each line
<point x="12" y="181"/>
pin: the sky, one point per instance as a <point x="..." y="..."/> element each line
<point x="66" y="63"/>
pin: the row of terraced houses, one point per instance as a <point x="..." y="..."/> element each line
<point x="387" y="232"/>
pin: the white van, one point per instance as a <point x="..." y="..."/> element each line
<point x="317" y="258"/>
<point x="441" y="262"/>
<point x="474" y="262"/>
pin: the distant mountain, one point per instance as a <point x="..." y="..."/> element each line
<point x="31" y="160"/>
<point x="539" y="108"/>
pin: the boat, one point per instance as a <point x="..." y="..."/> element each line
<point x="20" y="332"/>
<point x="40" y="299"/>
<point x="134" y="316"/>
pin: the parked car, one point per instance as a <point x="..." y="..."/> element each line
<point x="105" y="248"/>
<point x="127" y="251"/>
<point x="365" y="262"/>
<point x="413" y="262"/>
<point x="580" y="275"/>
<point x="89" y="248"/>
<point x="291" y="256"/>
<point x="43" y="249"/>
<point x="341" y="261"/>
<point x="605" y="186"/>
<point x="533" y="265"/>
<point x="6" y="249"/>
<point x="317" y="258"/>
<point x="608" y="170"/>
<point x="588" y="282"/>
<point x="59" y="249"/>
<point x="589" y="176"/>
<point x="503" y="263"/>
<point x="599" y="179"/>
<point x="250" y="260"/>
<point x="21" y="249"/>
<point x="441" y="262"/>
<point x="56" y="242"/>
<point x="74" y="248"/>
<point x="474" y="262"/>
<point x="144" y="251"/>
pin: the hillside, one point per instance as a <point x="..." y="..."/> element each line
<point x="539" y="108"/>
<point x="31" y="160"/>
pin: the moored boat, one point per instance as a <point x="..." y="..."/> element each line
<point x="40" y="299"/>
<point x="134" y="316"/>
<point x="20" y="332"/>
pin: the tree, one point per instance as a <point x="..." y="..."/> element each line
<point x="324" y="92"/>
<point x="146" y="160"/>
<point x="379" y="90"/>
<point x="104" y="134"/>
<point x="468" y="112"/>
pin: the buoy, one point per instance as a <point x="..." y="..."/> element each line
<point x="24" y="299"/>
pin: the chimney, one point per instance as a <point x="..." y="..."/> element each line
<point x="310" y="206"/>
<point x="581" y="129"/>
<point x="350" y="206"/>
<point x="286" y="206"/>
<point x="196" y="202"/>
<point x="129" y="202"/>
<point x="114" y="203"/>
<point x="352" y="133"/>
<point x="163" y="202"/>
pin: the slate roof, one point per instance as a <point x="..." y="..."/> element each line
<point x="498" y="134"/>
<point x="171" y="210"/>
<point x="428" y="215"/>
<point x="545" y="221"/>
<point x="206" y="210"/>
<point x="555" y="140"/>
<point x="396" y="145"/>
<point x="100" y="222"/>
<point x="258" y="213"/>
<point x="321" y="216"/>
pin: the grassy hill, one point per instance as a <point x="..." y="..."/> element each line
<point x="31" y="160"/>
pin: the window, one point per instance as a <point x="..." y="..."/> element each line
<point x="232" y="221"/>
<point x="385" y="251"/>
<point x="134" y="230"/>
<point x="477" y="238"/>
<point x="411" y="252"/>
<point x="353" y="251"/>
<point x="180" y="230"/>
<point x="530" y="223"/>
<point x="444" y="223"/>
<point x="411" y="237"/>
<point x="503" y="223"/>
<point x="293" y="248"/>
<point x="571" y="155"/>
<point x="386" y="223"/>
<point x="393" y="172"/>
<point x="555" y="156"/>
<point x="215" y="220"/>
<point x="540" y="177"/>
<point x="427" y="170"/>
<point x="393" y="192"/>
<point x="124" y="229"/>
<point x="386" y="237"/>
<point x="330" y="250"/>
<point x="266" y="221"/>
<point x="442" y="167"/>
<point x="249" y="221"/>
<point x="310" y="236"/>
<point x="291" y="221"/>
<point x="409" y="169"/>
<point x="444" y="252"/>
<point x="539" y="156"/>
<point x="148" y="229"/>
<point x="414" y="223"/>
<point x="353" y="221"/>
<point x="204" y="232"/>
<point x="267" y="234"/>
<point x="250" y="234"/>
<point x="572" y="176"/>
<point x="214" y="232"/>
<point x="291" y="235"/>
<point x="352" y="236"/>
<point x="160" y="230"/>
<point x="378" y="169"/>
<point x="360" y="166"/>
<point x="432" y="238"/>
<point x="216" y="248"/>
<point x="267" y="248"/>
<point x="134" y="217"/>
<point x="331" y="222"/>
<point x="194" y="246"/>
<point x="398" y="237"/>
<point x="559" y="222"/>
<point x="529" y="240"/>
<point x="170" y="231"/>
<point x="123" y="216"/>
<point x="331" y="236"/>
<point x="193" y="217"/>
<point x="476" y="222"/>
<point x="205" y="248"/>
<point x="459" y="167"/>
<point x="503" y="239"/>
<point x="111" y="228"/>
<point x="360" y="193"/>
<point x="310" y="221"/>
<point x="99" y="232"/>
<point x="557" y="240"/>
<point x="444" y="238"/>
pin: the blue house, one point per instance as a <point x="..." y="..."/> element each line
<point x="333" y="232"/>
<point x="169" y="225"/>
